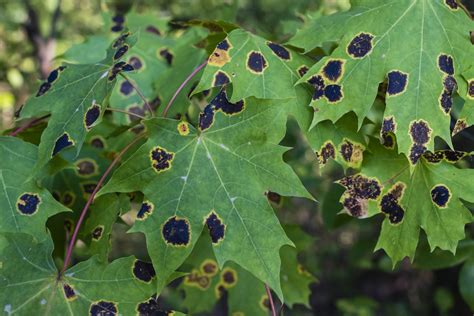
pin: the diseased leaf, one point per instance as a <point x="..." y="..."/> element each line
<point x="196" y="179"/>
<point x="466" y="90"/>
<point x="24" y="204"/>
<point x="422" y="69"/>
<point x="255" y="67"/>
<point x="75" y="96"/>
<point x="428" y="198"/>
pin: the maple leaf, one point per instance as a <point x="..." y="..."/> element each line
<point x="194" y="179"/>
<point x="75" y="95"/>
<point x="427" y="198"/>
<point x="422" y="69"/>
<point x="25" y="205"/>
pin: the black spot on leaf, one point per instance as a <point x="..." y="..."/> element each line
<point x="229" y="277"/>
<point x="440" y="195"/>
<point x="388" y="140"/>
<point x="446" y="102"/>
<point x="143" y="271"/>
<point x="416" y="151"/>
<point x="359" y="189"/>
<point x="256" y="63"/>
<point x="97" y="142"/>
<point x="116" y="28"/>
<point x="43" y="89"/>
<point x="318" y="83"/>
<point x="333" y="69"/>
<point x="389" y="125"/>
<point x="333" y="93"/>
<point x="69" y="292"/>
<point x="128" y="67"/>
<point x="103" y="308"/>
<point x="126" y="87"/>
<point x="420" y="132"/>
<point x="279" y="50"/>
<point x="206" y="117"/>
<point x="354" y="206"/>
<point x="224" y="45"/>
<point x="397" y="82"/>
<point x="145" y="210"/>
<point x="135" y="62"/>
<point x="452" y="4"/>
<point x="360" y="46"/>
<point x="216" y="227"/>
<point x="351" y="152"/>
<point x="62" y="142"/>
<point x="120" y="52"/>
<point x="209" y="267"/>
<point x="28" y="203"/>
<point x="167" y="55"/>
<point x="97" y="232"/>
<point x="435" y="157"/>
<point x="470" y="89"/>
<point x="450" y="84"/>
<point x="183" y="128"/>
<point x="119" y="19"/>
<point x="220" y="79"/>
<point x="176" y="231"/>
<point x="327" y="151"/>
<point x="53" y="75"/>
<point x="86" y="167"/>
<point x="153" y="30"/>
<point x="91" y="116"/>
<point x="88" y="187"/>
<point x="453" y="156"/>
<point x="303" y="70"/>
<point x="460" y="125"/>
<point x="446" y="64"/>
<point x="135" y="109"/>
<point x="222" y="103"/>
<point x="161" y="159"/>
<point x="69" y="198"/>
<point x="151" y="308"/>
<point x="120" y="40"/>
<point x="273" y="197"/>
<point x="390" y="203"/>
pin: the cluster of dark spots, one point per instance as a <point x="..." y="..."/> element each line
<point x="161" y="159"/>
<point x="118" y="67"/>
<point x="68" y="198"/>
<point x="420" y="133"/>
<point x="135" y="62"/>
<point x="97" y="232"/>
<point x="126" y="87"/>
<point x="303" y="70"/>
<point x="326" y="152"/>
<point x="220" y="79"/>
<point x="389" y="204"/>
<point x="224" y="45"/>
<point x="45" y="86"/>
<point x="333" y="93"/>
<point x="97" y="142"/>
<point x="352" y="152"/>
<point x="222" y="103"/>
<point x="273" y="197"/>
<point x="62" y="142"/>
<point x="28" y="203"/>
<point x="228" y="277"/>
<point x="121" y="51"/>
<point x="118" y="21"/>
<point x="446" y="64"/>
<point x="216" y="227"/>
<point x="279" y="50"/>
<point x="318" y="83"/>
<point x="256" y="62"/>
<point x="69" y="292"/>
<point x="461" y="124"/>
<point x="88" y="188"/>
<point x="153" y="30"/>
<point x="103" y="308"/>
<point x="183" y="128"/>
<point x="91" y="116"/>
<point x="470" y="89"/>
<point x="176" y="231"/>
<point x="440" y="195"/>
<point x="151" y="308"/>
<point x="145" y="210"/>
<point x="167" y="55"/>
<point x="397" y="82"/>
<point x="387" y="132"/>
<point x="206" y="117"/>
<point x="209" y="267"/>
<point x="86" y="167"/>
<point x="452" y="4"/>
<point x="359" y="189"/>
<point x="333" y="69"/>
<point x="143" y="271"/>
<point x="265" y="303"/>
<point x="120" y="40"/>
<point x="360" y="46"/>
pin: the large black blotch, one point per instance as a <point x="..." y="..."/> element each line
<point x="397" y="82"/>
<point x="420" y="132"/>
<point x="206" y="117"/>
<point x="28" y="203"/>
<point x="446" y="64"/>
<point x="256" y="62"/>
<point x="119" y="19"/>
<point x="220" y="79"/>
<point x="53" y="75"/>
<point x="69" y="292"/>
<point x="117" y="28"/>
<point x="326" y="152"/>
<point x="333" y="69"/>
<point x="216" y="227"/>
<point x="221" y="102"/>
<point x="145" y="210"/>
<point x="43" y="89"/>
<point x="143" y="271"/>
<point x="91" y="116"/>
<point x="176" y="231"/>
<point x="161" y="159"/>
<point x="354" y="206"/>
<point x="120" y="52"/>
<point x="103" y="308"/>
<point x="333" y="93"/>
<point x="126" y="87"/>
<point x="167" y="55"/>
<point x="416" y="151"/>
<point x="390" y="204"/>
<point x="279" y="50"/>
<point x="446" y="102"/>
<point x="224" y="45"/>
<point x="361" y="45"/>
<point x="318" y="83"/>
<point x="135" y="62"/>
<point x="62" y="142"/>
<point x="440" y="195"/>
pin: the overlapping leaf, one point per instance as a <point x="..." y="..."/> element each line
<point x="429" y="198"/>
<point x="75" y="96"/>
<point x="24" y="205"/>
<point x="192" y="179"/>
<point x="373" y="45"/>
<point x="256" y="67"/>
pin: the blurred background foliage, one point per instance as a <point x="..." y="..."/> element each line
<point x="352" y="280"/>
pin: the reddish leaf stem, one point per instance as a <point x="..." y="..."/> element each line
<point x="28" y="125"/>
<point x="270" y="299"/>
<point x="181" y="87"/>
<point x="67" y="259"/>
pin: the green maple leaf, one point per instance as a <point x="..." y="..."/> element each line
<point x="75" y="95"/>
<point x="256" y="67"/>
<point x="192" y="179"/>
<point x="372" y="46"/>
<point x="29" y="283"/>
<point x="428" y="198"/>
<point x="25" y="205"/>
